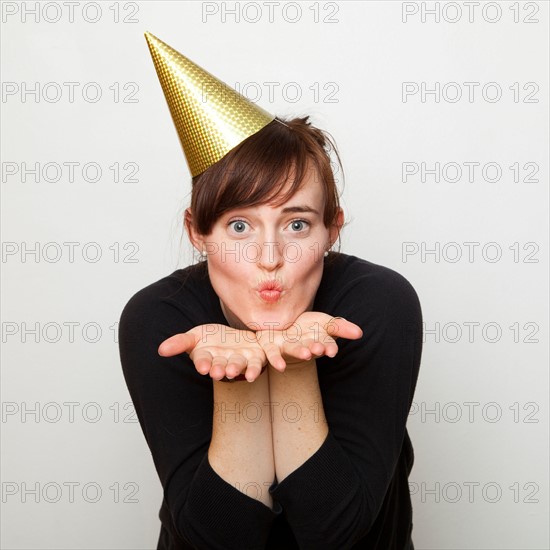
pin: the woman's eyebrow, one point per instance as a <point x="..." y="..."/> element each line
<point x="299" y="209"/>
<point x="288" y="209"/>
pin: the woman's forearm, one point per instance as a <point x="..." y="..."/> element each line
<point x="241" y="449"/>
<point x="299" y="424"/>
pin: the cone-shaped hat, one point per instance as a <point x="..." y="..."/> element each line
<point x="210" y="117"/>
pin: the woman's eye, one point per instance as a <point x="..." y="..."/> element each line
<point x="299" y="225"/>
<point x="238" y="226"/>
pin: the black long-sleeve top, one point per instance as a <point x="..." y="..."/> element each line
<point x="353" y="491"/>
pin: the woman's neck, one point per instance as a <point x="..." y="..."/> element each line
<point x="232" y="319"/>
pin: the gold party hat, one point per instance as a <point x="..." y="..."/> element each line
<point x="210" y="117"/>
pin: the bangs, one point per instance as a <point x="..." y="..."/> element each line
<point x="259" y="169"/>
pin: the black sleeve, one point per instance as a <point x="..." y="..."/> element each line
<point x="174" y="405"/>
<point x="333" y="499"/>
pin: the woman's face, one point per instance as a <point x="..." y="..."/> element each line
<point x="265" y="263"/>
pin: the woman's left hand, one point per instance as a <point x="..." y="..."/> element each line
<point x="313" y="333"/>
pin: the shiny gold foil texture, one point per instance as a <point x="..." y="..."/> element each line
<point x="210" y="117"/>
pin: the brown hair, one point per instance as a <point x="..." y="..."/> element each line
<point x="257" y="169"/>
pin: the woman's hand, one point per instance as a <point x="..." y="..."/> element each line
<point x="312" y="334"/>
<point x="218" y="350"/>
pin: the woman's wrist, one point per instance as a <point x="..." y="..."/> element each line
<point x="294" y="367"/>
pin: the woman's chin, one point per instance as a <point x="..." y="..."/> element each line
<point x="272" y="321"/>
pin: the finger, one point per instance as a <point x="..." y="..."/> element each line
<point x="338" y="327"/>
<point x="314" y="346"/>
<point x="327" y="347"/>
<point x="253" y="368"/>
<point x="219" y="364"/>
<point x="177" y="344"/>
<point x="331" y="347"/>
<point x="235" y="365"/>
<point x="298" y="350"/>
<point x="273" y="354"/>
<point x="203" y="360"/>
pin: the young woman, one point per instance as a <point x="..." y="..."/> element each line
<point x="307" y="446"/>
<point x="273" y="379"/>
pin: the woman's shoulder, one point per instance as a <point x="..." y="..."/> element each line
<point x="349" y="278"/>
<point x="348" y="270"/>
<point x="184" y="286"/>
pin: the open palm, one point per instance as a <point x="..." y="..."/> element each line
<point x="312" y="334"/>
<point x="218" y="350"/>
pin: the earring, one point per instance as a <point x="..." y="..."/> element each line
<point x="204" y="253"/>
<point x="326" y="253"/>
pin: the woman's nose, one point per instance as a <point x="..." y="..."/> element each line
<point x="271" y="254"/>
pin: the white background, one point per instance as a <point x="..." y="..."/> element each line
<point x="465" y="452"/>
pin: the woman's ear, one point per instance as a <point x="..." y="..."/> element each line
<point x="194" y="236"/>
<point x="336" y="226"/>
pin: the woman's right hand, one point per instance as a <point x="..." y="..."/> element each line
<point x="218" y="350"/>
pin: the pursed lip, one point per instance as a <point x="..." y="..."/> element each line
<point x="270" y="285"/>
